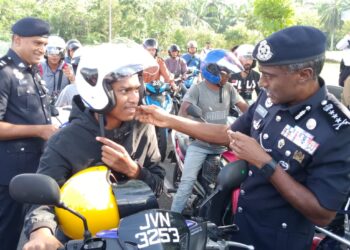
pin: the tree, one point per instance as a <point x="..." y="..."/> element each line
<point x="273" y="15"/>
<point x="330" y="16"/>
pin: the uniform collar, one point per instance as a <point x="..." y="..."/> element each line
<point x="311" y="102"/>
<point x="12" y="55"/>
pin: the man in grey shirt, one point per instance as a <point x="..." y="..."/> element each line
<point x="215" y="98"/>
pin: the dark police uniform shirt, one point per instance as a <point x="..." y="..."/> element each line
<point x="311" y="142"/>
<point x="246" y="86"/>
<point x="23" y="100"/>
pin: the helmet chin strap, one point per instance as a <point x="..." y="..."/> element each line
<point x="220" y="93"/>
<point x="101" y="122"/>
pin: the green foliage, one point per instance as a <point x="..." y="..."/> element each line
<point x="273" y="15"/>
<point x="222" y="22"/>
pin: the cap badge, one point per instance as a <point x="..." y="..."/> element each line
<point x="264" y="51"/>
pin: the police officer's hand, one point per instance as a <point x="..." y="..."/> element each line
<point x="118" y="159"/>
<point x="46" y="131"/>
<point x="68" y="73"/>
<point x="153" y="115"/>
<point x="248" y="149"/>
<point x="42" y="239"/>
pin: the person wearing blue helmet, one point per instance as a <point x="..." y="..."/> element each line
<point x="295" y="138"/>
<point x="215" y="97"/>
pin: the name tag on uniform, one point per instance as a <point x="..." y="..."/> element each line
<point x="301" y="138"/>
<point x="261" y="111"/>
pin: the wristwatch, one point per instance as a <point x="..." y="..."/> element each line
<point x="268" y="169"/>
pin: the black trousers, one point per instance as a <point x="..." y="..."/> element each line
<point x="11" y="220"/>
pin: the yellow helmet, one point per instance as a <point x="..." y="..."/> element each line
<point x="89" y="193"/>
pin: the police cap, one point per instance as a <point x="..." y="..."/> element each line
<point x="31" y="26"/>
<point x="295" y="44"/>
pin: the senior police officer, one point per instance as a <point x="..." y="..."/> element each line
<point x="25" y="122"/>
<point x="299" y="133"/>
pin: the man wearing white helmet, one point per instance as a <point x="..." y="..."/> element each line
<point x="191" y="57"/>
<point x="246" y="81"/>
<point x="54" y="70"/>
<point x="109" y="81"/>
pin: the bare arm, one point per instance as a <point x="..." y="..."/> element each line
<point x="9" y="131"/>
<point x="213" y="133"/>
<point x="243" y="106"/>
<point x="295" y="193"/>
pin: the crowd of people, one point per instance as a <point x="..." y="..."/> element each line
<point x="292" y="132"/>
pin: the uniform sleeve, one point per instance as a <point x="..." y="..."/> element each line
<point x="5" y="88"/>
<point x="151" y="172"/>
<point x="192" y="95"/>
<point x="329" y="172"/>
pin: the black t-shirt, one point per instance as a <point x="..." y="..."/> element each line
<point x="245" y="86"/>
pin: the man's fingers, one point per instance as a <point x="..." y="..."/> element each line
<point x="111" y="144"/>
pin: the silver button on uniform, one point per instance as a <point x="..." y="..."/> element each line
<point x="22" y="149"/>
<point x="265" y="136"/>
<point x="284" y="225"/>
<point x="278" y="118"/>
<point x="288" y="153"/>
<point x="240" y="209"/>
<point x="250" y="173"/>
<point x="242" y="192"/>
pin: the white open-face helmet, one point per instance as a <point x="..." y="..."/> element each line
<point x="104" y="64"/>
<point x="245" y="50"/>
<point x="55" y="46"/>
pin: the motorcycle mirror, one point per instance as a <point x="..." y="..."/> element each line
<point x="232" y="175"/>
<point x="41" y="189"/>
<point x="36" y="189"/>
<point x="195" y="111"/>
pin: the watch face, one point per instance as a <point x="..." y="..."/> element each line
<point x="268" y="169"/>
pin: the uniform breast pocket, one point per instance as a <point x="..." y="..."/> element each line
<point x="291" y="157"/>
<point x="27" y="97"/>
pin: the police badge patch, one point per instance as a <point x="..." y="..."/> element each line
<point x="264" y="51"/>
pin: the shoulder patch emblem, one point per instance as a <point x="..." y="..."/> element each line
<point x="335" y="115"/>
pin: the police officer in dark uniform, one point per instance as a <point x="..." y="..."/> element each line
<point x="299" y="133"/>
<point x="25" y="122"/>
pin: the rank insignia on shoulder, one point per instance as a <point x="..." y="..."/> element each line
<point x="335" y="115"/>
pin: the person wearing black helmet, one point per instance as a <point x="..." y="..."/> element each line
<point x="71" y="56"/>
<point x="25" y="120"/>
<point x="151" y="45"/>
<point x="101" y="129"/>
<point x="175" y="64"/>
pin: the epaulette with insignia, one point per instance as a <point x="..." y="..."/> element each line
<point x="336" y="114"/>
<point x="5" y="60"/>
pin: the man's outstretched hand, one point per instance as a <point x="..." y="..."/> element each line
<point x="152" y="115"/>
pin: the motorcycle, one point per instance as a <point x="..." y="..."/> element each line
<point x="148" y="229"/>
<point x="206" y="179"/>
<point x="159" y="93"/>
<point x="191" y="77"/>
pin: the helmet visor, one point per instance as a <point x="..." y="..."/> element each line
<point x="53" y="51"/>
<point x="230" y="63"/>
